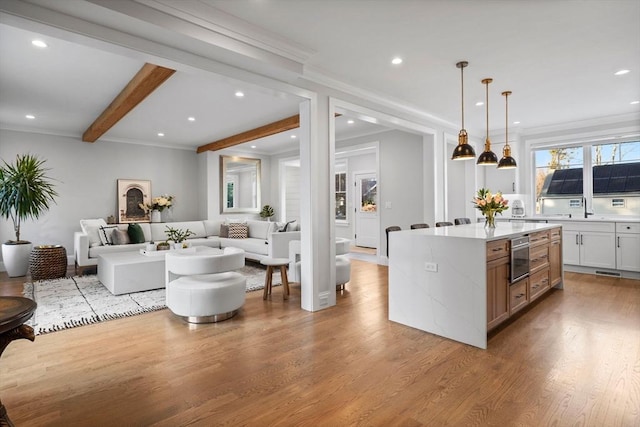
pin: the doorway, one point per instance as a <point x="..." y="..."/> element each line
<point x="366" y="209"/>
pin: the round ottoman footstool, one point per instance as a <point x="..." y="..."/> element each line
<point x="207" y="298"/>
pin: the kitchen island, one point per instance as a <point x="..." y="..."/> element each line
<point x="455" y="281"/>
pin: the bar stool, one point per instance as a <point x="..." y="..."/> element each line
<point x="443" y="224"/>
<point x="420" y="225"/>
<point x="461" y="221"/>
<point x="268" y="280"/>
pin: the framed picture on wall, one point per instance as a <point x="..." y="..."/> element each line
<point x="132" y="193"/>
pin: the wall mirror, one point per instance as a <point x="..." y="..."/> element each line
<point x="239" y="185"/>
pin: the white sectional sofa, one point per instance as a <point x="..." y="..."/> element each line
<point x="262" y="241"/>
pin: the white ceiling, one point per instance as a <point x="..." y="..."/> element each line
<point x="558" y="59"/>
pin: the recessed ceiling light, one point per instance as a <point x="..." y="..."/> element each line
<point x="634" y="102"/>
<point x="621" y="72"/>
<point x="160" y="134"/>
<point x="350" y="122"/>
<point x="253" y="146"/>
<point x="396" y="61"/>
<point x="293" y="136"/>
<point x="516" y="123"/>
<point x="239" y="94"/>
<point x="38" y="43"/>
<point x="30" y="116"/>
<point x="479" y="104"/>
<point x="191" y="119"/>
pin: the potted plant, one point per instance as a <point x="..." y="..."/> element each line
<point x="267" y="212"/>
<point x="178" y="235"/>
<point x="25" y="193"/>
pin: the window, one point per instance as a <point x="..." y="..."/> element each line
<point x="616" y="177"/>
<point x="341" y="196"/>
<point x="600" y="178"/>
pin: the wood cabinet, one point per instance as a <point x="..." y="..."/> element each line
<point x="518" y="296"/>
<point x="538" y="284"/>
<point x="555" y="256"/>
<point x="498" y="265"/>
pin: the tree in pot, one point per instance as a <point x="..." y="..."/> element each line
<point x="25" y="193"/>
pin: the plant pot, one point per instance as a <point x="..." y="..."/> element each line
<point x="16" y="258"/>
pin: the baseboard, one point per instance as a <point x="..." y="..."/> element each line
<point x="70" y="261"/>
<point x="602" y="272"/>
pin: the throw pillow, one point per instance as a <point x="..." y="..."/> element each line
<point x="136" y="235"/>
<point x="105" y="234"/>
<point x="288" y="226"/>
<point x="224" y="230"/>
<point x="120" y="237"/>
<point x="238" y="231"/>
<point x="91" y="228"/>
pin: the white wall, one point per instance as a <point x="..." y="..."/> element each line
<point x="86" y="180"/>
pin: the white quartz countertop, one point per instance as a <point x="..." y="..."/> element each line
<point x="478" y="231"/>
<point x="563" y="218"/>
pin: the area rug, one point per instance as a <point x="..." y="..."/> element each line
<point x="82" y="300"/>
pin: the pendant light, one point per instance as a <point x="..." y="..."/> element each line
<point x="487" y="157"/>
<point x="506" y="162"/>
<point x="463" y="150"/>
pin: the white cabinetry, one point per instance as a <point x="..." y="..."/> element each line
<point x="589" y="244"/>
<point x="628" y="246"/>
<point x="503" y="180"/>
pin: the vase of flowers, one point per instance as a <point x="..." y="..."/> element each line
<point x="490" y="205"/>
<point x="157" y="205"/>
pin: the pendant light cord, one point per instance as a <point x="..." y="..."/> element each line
<point x="506" y="118"/>
<point x="487" y="99"/>
<point x="462" y="86"/>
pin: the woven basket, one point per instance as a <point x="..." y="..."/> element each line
<point x="48" y="262"/>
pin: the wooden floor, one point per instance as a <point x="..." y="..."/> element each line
<point x="573" y="359"/>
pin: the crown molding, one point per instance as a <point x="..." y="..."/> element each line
<point x="216" y="20"/>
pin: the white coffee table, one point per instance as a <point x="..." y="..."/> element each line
<point x="126" y="272"/>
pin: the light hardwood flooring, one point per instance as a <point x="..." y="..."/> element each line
<point x="572" y="359"/>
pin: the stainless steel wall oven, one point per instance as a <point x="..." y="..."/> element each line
<point x="519" y="258"/>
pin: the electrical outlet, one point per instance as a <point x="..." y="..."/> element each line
<point x="431" y="266"/>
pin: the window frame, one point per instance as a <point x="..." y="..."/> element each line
<point x="587" y="165"/>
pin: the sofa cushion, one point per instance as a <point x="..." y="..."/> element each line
<point x="211" y="227"/>
<point x="224" y="230"/>
<point x="120" y="237"/>
<point x="91" y="227"/>
<point x="158" y="229"/>
<point x="260" y="229"/>
<point x="99" y="250"/>
<point x="136" y="235"/>
<point x="105" y="233"/>
<point x="238" y="231"/>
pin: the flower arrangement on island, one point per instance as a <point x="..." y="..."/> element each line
<point x="490" y="204"/>
<point x="159" y="203"/>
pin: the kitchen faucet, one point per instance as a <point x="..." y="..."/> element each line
<point x="584" y="203"/>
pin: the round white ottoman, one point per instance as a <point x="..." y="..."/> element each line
<point x="207" y="298"/>
<point x="343" y="272"/>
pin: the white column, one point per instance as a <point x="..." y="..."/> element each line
<point x="317" y="254"/>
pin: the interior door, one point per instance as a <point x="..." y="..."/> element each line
<point x="366" y="210"/>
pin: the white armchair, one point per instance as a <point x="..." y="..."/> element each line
<point x="343" y="263"/>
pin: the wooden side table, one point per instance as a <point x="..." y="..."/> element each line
<point x="14" y="311"/>
<point x="268" y="280"/>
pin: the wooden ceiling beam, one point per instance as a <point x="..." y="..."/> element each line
<point x="148" y="79"/>
<point x="257" y="133"/>
<point x="266" y="130"/>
